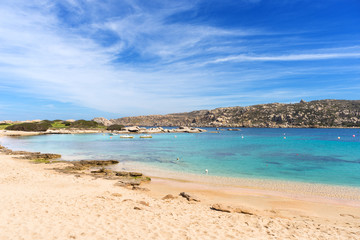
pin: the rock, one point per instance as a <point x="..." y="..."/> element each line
<point x="243" y="211"/>
<point x="86" y="164"/>
<point x="103" y="171"/>
<point x="140" y="189"/>
<point x="31" y="156"/>
<point x="168" y="197"/>
<point x="103" y="121"/>
<point x="135" y="174"/>
<point x="137" y="208"/>
<point x="129" y="182"/>
<point x="132" y="129"/>
<point x="221" y="208"/>
<point x="144" y="203"/>
<point x="98" y="162"/>
<point x="189" y="197"/>
<point x="122" y="173"/>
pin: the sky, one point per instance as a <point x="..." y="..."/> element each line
<point x="81" y="59"/>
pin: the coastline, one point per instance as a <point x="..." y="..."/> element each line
<point x="71" y="199"/>
<point x="316" y="192"/>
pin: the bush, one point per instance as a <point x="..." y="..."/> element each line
<point x="115" y="127"/>
<point x="67" y="124"/>
<point x="30" y="127"/>
<point x="85" y="124"/>
<point x="47" y="121"/>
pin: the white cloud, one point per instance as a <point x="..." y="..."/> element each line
<point x="42" y="57"/>
<point x="297" y="57"/>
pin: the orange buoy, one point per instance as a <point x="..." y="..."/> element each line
<point x="338" y="137"/>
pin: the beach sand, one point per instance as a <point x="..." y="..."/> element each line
<point x="40" y="203"/>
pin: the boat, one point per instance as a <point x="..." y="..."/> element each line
<point x="126" y="136"/>
<point x="113" y="134"/>
<point x="146" y="136"/>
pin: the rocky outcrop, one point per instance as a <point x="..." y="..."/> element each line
<point x="29" y="155"/>
<point x="103" y="121"/>
<point x="320" y="113"/>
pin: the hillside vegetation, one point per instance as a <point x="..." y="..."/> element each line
<point x="320" y="113"/>
<point x="44" y="125"/>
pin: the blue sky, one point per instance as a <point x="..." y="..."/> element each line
<point x="83" y="59"/>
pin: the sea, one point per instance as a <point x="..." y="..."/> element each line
<point x="325" y="156"/>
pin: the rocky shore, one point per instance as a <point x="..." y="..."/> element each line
<point x="314" y="114"/>
<point x="126" y="130"/>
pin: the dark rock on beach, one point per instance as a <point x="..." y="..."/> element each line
<point x="228" y="209"/>
<point x="189" y="197"/>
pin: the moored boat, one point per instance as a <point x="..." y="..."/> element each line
<point x="126" y="136"/>
<point x="145" y="136"/>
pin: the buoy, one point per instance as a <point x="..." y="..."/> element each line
<point x="284" y="137"/>
<point x="242" y="136"/>
<point x="354" y="135"/>
<point x="338" y="137"/>
<point x="206" y="171"/>
<point x="110" y="137"/>
<point x="175" y="136"/>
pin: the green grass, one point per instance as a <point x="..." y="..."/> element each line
<point x="3" y="126"/>
<point x="59" y="125"/>
<point x="41" y="160"/>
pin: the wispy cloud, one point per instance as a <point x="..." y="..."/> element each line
<point x="131" y="58"/>
<point x="298" y="57"/>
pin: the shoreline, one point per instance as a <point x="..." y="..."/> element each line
<point x="347" y="195"/>
<point x="79" y="206"/>
<point x="342" y="194"/>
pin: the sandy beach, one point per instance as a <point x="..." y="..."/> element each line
<point x="40" y="203"/>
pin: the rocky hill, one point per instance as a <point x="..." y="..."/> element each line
<point x="320" y="113"/>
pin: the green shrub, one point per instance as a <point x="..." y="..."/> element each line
<point x="30" y="127"/>
<point x="85" y="124"/>
<point x="67" y="124"/>
<point x="58" y="124"/>
<point x="47" y="121"/>
<point x="115" y="127"/>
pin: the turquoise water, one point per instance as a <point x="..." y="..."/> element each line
<point x="306" y="155"/>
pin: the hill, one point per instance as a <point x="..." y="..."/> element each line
<point x="319" y="113"/>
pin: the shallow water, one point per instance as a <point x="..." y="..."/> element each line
<point x="305" y="155"/>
